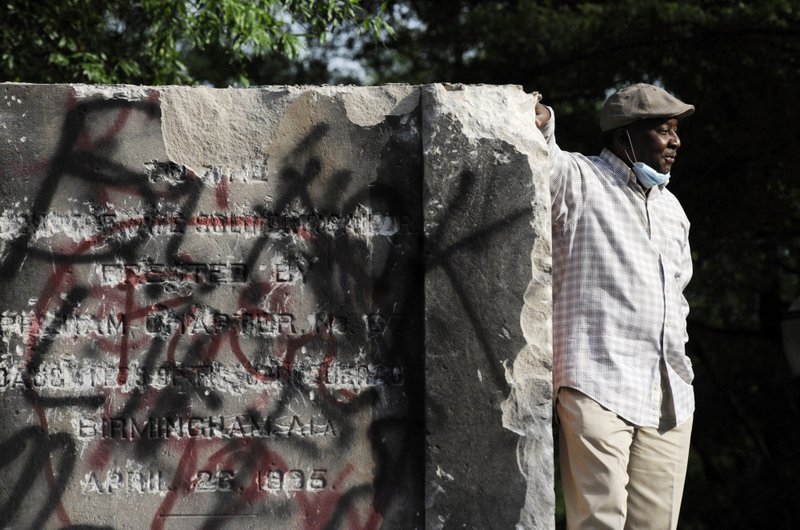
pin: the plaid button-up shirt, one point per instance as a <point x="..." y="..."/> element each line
<point x="621" y="261"/>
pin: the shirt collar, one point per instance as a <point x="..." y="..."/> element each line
<point x="619" y="169"/>
<point x="622" y="173"/>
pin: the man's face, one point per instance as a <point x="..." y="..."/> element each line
<point x="655" y="142"/>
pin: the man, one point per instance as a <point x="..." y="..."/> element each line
<point x="621" y="261"/>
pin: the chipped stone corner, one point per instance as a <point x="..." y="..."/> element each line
<point x="472" y="137"/>
<point x="507" y="114"/>
<point x="503" y="112"/>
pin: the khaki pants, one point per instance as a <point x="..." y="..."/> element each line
<point x="615" y="475"/>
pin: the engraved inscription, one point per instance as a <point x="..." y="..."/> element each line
<point x="192" y="320"/>
<point x="188" y="347"/>
<point x="103" y="226"/>
<point x="50" y="324"/>
<point x="130" y="481"/>
<point x="208" y="321"/>
<point x="275" y="480"/>
<point x="147" y="272"/>
<point x="175" y="174"/>
<point x="239" y="426"/>
<point x="224" y="378"/>
<point x="212" y="481"/>
<point x="152" y="481"/>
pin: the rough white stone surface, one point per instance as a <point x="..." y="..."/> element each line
<point x="226" y="128"/>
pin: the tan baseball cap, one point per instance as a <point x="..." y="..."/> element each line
<point x="641" y="102"/>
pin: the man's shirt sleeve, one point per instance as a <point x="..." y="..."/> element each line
<point x="566" y="180"/>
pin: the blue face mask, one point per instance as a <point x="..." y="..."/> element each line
<point x="649" y="177"/>
<point x="646" y="175"/>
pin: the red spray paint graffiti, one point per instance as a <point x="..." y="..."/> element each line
<point x="350" y="492"/>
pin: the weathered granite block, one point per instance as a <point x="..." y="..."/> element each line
<point x="216" y="311"/>
<point x="211" y="307"/>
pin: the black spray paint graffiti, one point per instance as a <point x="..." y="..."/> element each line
<point x="348" y="283"/>
<point x="478" y="263"/>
